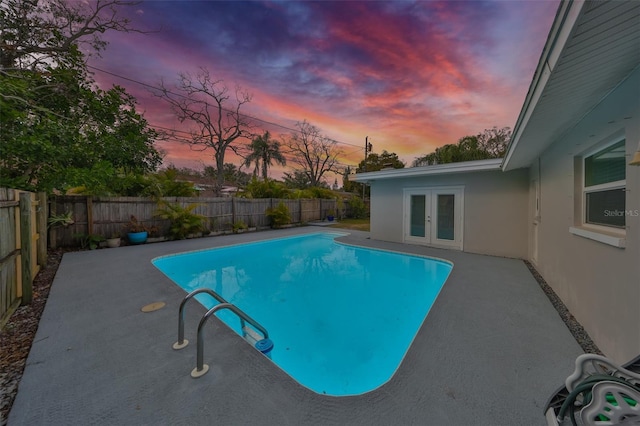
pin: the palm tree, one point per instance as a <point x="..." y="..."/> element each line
<point x="256" y="148"/>
<point x="264" y="152"/>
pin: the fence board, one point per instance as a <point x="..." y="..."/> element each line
<point x="42" y="213"/>
<point x="26" y="245"/>
<point x="110" y="214"/>
<point x="8" y="253"/>
<point x="20" y="222"/>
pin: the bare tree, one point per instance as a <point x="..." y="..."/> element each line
<point x="314" y="153"/>
<point x="206" y="104"/>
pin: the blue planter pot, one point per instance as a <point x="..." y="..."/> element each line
<point x="137" y="237"/>
<point x="330" y="218"/>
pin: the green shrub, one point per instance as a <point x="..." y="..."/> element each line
<point x="266" y="189"/>
<point x="340" y="207"/>
<point x="314" y="192"/>
<point x="91" y="241"/>
<point x="239" y="225"/>
<point x="166" y="184"/>
<point x="183" y="221"/>
<point x="62" y="219"/>
<point x="279" y="216"/>
<point x="357" y="208"/>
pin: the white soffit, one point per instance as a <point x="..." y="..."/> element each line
<point x="592" y="47"/>
<point x="438" y="169"/>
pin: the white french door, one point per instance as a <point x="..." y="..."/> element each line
<point x="433" y="216"/>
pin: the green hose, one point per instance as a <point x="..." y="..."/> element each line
<point x="585" y="387"/>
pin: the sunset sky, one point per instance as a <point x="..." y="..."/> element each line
<point x="410" y="75"/>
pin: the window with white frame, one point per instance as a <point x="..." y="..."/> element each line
<point x="604" y="185"/>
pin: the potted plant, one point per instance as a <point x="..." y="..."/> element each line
<point x="114" y="241"/>
<point x="137" y="232"/>
<point x="331" y="214"/>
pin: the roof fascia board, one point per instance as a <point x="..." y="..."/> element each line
<point x="564" y="23"/>
<point x="439" y="169"/>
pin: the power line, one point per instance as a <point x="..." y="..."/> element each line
<point x="224" y="109"/>
<point x="247" y="150"/>
<point x="235" y="148"/>
<point x="183" y="140"/>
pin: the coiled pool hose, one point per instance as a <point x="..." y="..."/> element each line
<point x="585" y="387"/>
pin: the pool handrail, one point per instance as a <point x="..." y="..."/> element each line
<point x="201" y="367"/>
<point x="182" y="342"/>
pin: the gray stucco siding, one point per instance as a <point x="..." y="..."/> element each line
<point x="495" y="209"/>
<point x="599" y="283"/>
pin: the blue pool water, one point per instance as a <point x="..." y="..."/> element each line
<point x="341" y="317"/>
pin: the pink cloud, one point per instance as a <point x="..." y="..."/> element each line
<point x="411" y="76"/>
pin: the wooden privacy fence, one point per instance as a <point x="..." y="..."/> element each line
<point x="107" y="216"/>
<point x="23" y="246"/>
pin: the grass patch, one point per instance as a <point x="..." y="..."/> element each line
<point x="356" y="224"/>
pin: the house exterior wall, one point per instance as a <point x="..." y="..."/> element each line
<point x="495" y="209"/>
<point x="599" y="283"/>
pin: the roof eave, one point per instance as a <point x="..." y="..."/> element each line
<point x="561" y="29"/>
<point x="438" y="169"/>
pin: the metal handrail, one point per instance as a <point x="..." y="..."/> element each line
<point x="181" y="343"/>
<point x="201" y="367"/>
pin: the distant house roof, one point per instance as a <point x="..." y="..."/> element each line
<point x="438" y="169"/>
<point x="592" y="47"/>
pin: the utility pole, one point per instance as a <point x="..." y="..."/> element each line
<point x="367" y="149"/>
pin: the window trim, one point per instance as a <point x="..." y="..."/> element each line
<point x="619" y="184"/>
<point x="597" y="234"/>
<point x="610" y="235"/>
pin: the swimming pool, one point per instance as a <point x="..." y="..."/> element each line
<point x="341" y="317"/>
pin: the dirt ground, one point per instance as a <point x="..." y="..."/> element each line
<point x="17" y="335"/>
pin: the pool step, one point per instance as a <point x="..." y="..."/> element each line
<point x="250" y="335"/>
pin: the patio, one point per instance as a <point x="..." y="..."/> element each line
<point x="491" y="351"/>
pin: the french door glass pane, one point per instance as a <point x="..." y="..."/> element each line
<point x="446" y="220"/>
<point x="418" y="215"/>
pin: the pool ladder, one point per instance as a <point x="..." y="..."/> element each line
<point x="265" y="345"/>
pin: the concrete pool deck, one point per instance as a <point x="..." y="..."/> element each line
<point x="490" y="352"/>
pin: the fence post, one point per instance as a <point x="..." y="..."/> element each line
<point x="42" y="212"/>
<point x="25" y="247"/>
<point x="233" y="211"/>
<point x="89" y="203"/>
<point x="53" y="235"/>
